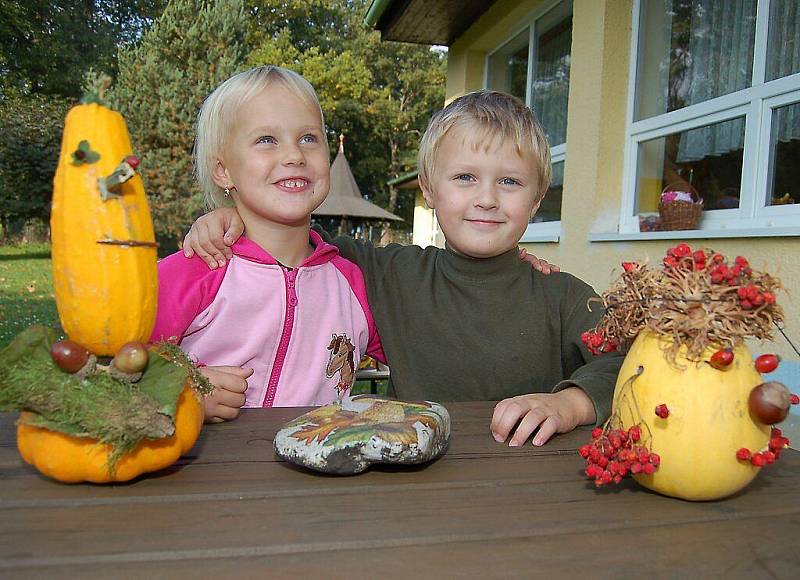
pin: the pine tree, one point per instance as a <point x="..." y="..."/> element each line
<point x="161" y="84"/>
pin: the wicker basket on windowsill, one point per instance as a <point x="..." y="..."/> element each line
<point x="680" y="215"/>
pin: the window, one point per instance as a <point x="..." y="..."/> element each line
<point x="534" y="65"/>
<point x="715" y="111"/>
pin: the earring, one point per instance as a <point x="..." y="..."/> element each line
<point x="227" y="192"/>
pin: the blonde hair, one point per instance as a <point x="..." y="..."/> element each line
<point x="493" y="118"/>
<point x="218" y="115"/>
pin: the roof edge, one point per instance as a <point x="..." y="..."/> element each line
<point x="375" y="11"/>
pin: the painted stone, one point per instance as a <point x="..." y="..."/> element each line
<point x="347" y="437"/>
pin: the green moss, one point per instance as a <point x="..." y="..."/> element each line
<point x="100" y="406"/>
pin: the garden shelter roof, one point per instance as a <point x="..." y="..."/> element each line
<point x="345" y="198"/>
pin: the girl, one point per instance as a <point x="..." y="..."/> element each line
<point x="286" y="305"/>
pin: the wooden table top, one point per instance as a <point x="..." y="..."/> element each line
<point x="231" y="508"/>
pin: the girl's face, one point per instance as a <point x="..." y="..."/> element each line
<point x="276" y="158"/>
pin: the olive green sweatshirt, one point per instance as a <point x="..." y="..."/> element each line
<point x="455" y="328"/>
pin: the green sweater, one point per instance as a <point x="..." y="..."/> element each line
<point x="461" y="329"/>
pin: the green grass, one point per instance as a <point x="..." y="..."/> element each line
<point x="26" y="289"/>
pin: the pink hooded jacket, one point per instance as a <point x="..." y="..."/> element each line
<point x="303" y="330"/>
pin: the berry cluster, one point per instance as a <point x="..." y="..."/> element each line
<point x="777" y="442"/>
<point x="598" y="342"/>
<point x="615" y="453"/>
<point x="721" y="273"/>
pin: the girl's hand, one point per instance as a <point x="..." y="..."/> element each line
<point x="225" y="402"/>
<point x="549" y="412"/>
<point x="211" y="236"/>
<point x="539" y="264"/>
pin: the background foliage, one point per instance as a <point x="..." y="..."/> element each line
<point x="167" y="56"/>
<point x="162" y="82"/>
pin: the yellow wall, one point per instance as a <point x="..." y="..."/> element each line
<point x="595" y="147"/>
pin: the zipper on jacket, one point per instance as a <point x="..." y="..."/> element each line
<point x="288" y="322"/>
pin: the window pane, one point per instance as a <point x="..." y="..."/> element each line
<point x="551" y="77"/>
<point x="691" y="51"/>
<point x="783" y="48"/>
<point x="785" y="156"/>
<point x="508" y="67"/>
<point x="550" y="208"/>
<point x="707" y="159"/>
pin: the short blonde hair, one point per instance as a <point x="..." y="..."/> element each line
<point x="218" y="115"/>
<point x="493" y="117"/>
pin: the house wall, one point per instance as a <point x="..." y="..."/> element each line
<point x="593" y="172"/>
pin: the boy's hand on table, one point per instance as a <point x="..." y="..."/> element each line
<point x="227" y="398"/>
<point x="549" y="412"/>
<point x="539" y="264"/>
<point x="211" y="236"/>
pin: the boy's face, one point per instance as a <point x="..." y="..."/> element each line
<point x="276" y="158"/>
<point x="483" y="198"/>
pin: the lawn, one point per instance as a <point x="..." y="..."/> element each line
<point x="26" y="289"/>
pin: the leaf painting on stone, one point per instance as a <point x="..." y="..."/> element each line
<point x="392" y="421"/>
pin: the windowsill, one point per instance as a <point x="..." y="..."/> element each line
<point x="771" y="232"/>
<point x="534" y="238"/>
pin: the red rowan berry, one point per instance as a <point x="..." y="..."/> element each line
<point x="766" y="363"/>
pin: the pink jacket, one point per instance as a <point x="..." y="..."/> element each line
<point x="302" y="330"/>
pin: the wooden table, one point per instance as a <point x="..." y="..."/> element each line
<point x="230" y="509"/>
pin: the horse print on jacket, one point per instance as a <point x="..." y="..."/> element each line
<point x="341" y="360"/>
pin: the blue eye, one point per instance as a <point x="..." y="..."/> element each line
<point x="266" y="139"/>
<point x="464" y="177"/>
<point x="509" y="181"/>
<point x="309" y="138"/>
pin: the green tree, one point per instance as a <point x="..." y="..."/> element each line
<point x="379" y="94"/>
<point x="31" y="127"/>
<point x="161" y="84"/>
<point x="47" y="45"/>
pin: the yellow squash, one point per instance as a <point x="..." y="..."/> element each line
<point x="708" y="418"/>
<point x="104" y="254"/>
<point x="72" y="459"/>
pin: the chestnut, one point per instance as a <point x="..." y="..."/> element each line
<point x="69" y="355"/>
<point x="131" y="357"/>
<point x="769" y="402"/>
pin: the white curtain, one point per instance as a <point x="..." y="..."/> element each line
<point x="783" y="59"/>
<point x="720" y="61"/>
<point x="550" y="88"/>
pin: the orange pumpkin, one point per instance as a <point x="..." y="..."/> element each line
<point x="73" y="459"/>
<point x="104" y="251"/>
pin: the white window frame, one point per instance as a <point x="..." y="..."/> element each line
<point x="756" y="104"/>
<point x="544" y="231"/>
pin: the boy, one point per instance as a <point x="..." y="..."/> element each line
<point x="472" y="321"/>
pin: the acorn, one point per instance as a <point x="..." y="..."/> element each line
<point x="73" y="358"/>
<point x="769" y="402"/>
<point x="129" y="362"/>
